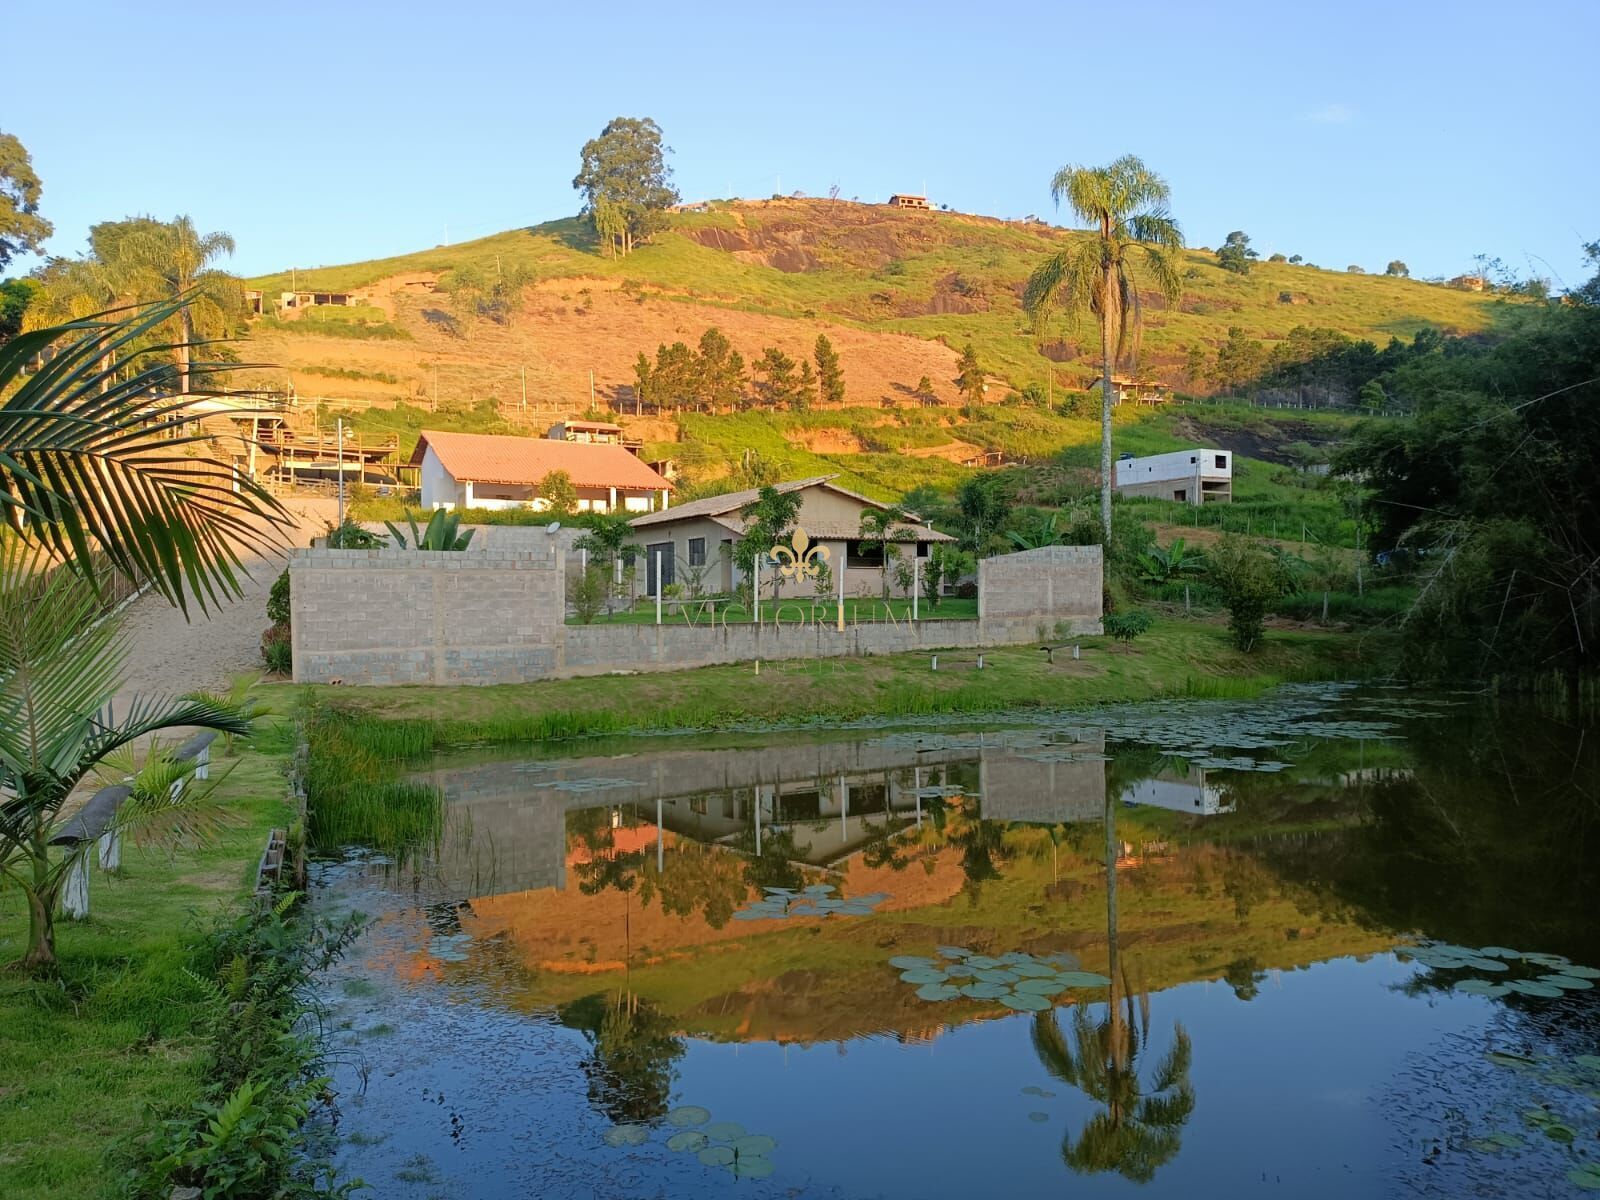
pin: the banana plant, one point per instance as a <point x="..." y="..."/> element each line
<point x="442" y="532"/>
<point x="1163" y="566"/>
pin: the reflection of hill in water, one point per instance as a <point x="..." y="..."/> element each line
<point x="993" y="842"/>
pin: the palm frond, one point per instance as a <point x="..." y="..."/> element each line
<point x="83" y="468"/>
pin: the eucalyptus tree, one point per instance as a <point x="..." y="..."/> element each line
<point x="1132" y="239"/>
<point x="22" y="229"/>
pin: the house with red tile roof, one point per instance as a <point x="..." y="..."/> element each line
<point x="477" y="470"/>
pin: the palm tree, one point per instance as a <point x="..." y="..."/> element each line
<point x="1132" y="234"/>
<point x="171" y="260"/>
<point x="95" y="458"/>
<point x="1041" y="533"/>
<point x="882" y="527"/>
<point x="59" y="669"/>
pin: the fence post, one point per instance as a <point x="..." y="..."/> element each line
<point x="935" y="664"/>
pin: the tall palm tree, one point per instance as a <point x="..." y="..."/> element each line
<point x="1132" y="234"/>
<point x="96" y="459"/>
<point x="172" y="259"/>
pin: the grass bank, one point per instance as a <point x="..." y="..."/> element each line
<point x="86" y="1057"/>
<point x="1176" y="658"/>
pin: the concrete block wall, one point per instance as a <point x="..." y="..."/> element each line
<point x="497" y="615"/>
<point x="1020" y="594"/>
<point x="414" y="616"/>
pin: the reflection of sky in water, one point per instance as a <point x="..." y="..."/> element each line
<point x="1255" y="903"/>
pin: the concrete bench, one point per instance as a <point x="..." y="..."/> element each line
<point x="976" y="664"/>
<point x="1050" y="651"/>
<point x="96" y="821"/>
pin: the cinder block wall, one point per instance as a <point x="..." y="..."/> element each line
<point x="1026" y="595"/>
<point x="380" y="617"/>
<point x="416" y="616"/>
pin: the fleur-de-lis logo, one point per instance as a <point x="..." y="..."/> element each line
<point x="800" y="559"/>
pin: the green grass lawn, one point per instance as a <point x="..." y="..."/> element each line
<point x="815" y="611"/>
<point x="1178" y="657"/>
<point x="85" y="1057"/>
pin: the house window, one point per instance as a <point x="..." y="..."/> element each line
<point x="697" y="552"/>
<point x="1222" y="461"/>
<point x="855" y="556"/>
<point x="922" y="549"/>
<point x="1193" y="459"/>
<point x="1180" y="494"/>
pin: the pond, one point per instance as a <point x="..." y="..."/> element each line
<point x="1335" y="942"/>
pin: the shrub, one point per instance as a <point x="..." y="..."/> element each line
<point x="1249" y="581"/>
<point x="278" y="600"/>
<point x="1128" y="624"/>
<point x="351" y="536"/>
<point x="277" y="651"/>
<point x="587" y="593"/>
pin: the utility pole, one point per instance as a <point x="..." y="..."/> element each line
<point x="524" y="389"/>
<point x="340" y="427"/>
<point x="591" y="388"/>
<point x="433" y="396"/>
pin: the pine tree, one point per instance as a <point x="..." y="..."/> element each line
<point x="641" y="383"/>
<point x="830" y="375"/>
<point x="775" y="381"/>
<point x="805" y="392"/>
<point x="970" y="376"/>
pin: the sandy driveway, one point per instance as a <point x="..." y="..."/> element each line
<point x="170" y="654"/>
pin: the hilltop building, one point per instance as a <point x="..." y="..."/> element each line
<point x="1127" y="388"/>
<point x="906" y="200"/>
<point x="475" y="470"/>
<point x="1187" y="476"/>
<point x="700" y="535"/>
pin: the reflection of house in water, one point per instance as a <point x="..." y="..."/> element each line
<point x="1180" y="793"/>
<point x="507" y="822"/>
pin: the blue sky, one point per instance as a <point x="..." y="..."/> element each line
<point x="344" y="130"/>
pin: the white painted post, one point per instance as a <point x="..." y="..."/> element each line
<point x="844" y="808"/>
<point x="980" y="662"/>
<point x="660" y="840"/>
<point x="844" y="554"/>
<point x="757" y="592"/>
<point x="935" y="665"/>
<point x="202" y="762"/>
<point x="916" y="566"/>
<point x="916" y="792"/>
<point x="658" y="587"/>
<point x="340" y="426"/>
<point x="75" y="894"/>
<point x="758" y="820"/>
<point x="1076" y="652"/>
<point x="110" y="850"/>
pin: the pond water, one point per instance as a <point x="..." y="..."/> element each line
<point x="1279" y="946"/>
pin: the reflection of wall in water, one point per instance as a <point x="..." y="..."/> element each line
<point x="506" y="821"/>
<point x="1191" y="794"/>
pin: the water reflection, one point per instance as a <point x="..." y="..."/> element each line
<point x="611" y="892"/>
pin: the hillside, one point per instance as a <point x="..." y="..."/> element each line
<point x="899" y="293"/>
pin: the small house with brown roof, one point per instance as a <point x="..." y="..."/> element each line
<point x="476" y="470"/>
<point x="696" y="539"/>
<point x="907" y="200"/>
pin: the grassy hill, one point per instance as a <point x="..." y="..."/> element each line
<point x="899" y="294"/>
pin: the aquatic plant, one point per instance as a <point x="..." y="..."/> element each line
<point x="1500" y="971"/>
<point x="352" y="797"/>
<point x="817" y="900"/>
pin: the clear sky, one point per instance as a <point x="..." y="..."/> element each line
<point x="1349" y="132"/>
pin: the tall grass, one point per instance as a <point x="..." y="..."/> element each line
<point x="352" y="797"/>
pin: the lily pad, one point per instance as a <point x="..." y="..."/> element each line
<point x="627" y="1135"/>
<point x="982" y="961"/>
<point x="1025" y="1001"/>
<point x="922" y="975"/>
<point x="753" y="1166"/>
<point x="1556" y="962"/>
<point x="755" y="1143"/>
<point x="687" y="1115"/>
<point x="1083" y="979"/>
<point x="724" y="1131"/>
<point x="1481" y="987"/>
<point x="717" y="1156"/>
<point x="1532" y="987"/>
<point x="689" y="1139"/>
<point x="996" y="976"/>
<point x="1032" y="969"/>
<point x="1492" y="965"/>
<point x="909" y="962"/>
<point x="1585" y="1175"/>
<point x="1589" y="1062"/>
<point x="777" y="891"/>
<point x="820" y="889"/>
<point x="960" y="971"/>
<point x="1498" y="952"/>
<point x="1038" y="1118"/>
<point x="938" y="991"/>
<point x="1567" y="983"/>
<point x="986" y="991"/>
<point x="1042" y="987"/>
<point x="1578" y="972"/>
<point x="1033" y="1090"/>
<point x="954" y="951"/>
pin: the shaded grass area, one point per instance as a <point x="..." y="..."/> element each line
<point x="864" y="612"/>
<point x="1177" y="658"/>
<point x="85" y="1057"/>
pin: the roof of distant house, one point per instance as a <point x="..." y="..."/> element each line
<point x="489" y="458"/>
<point x="725" y="510"/>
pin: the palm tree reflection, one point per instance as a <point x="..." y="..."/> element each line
<point x="1140" y="1128"/>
